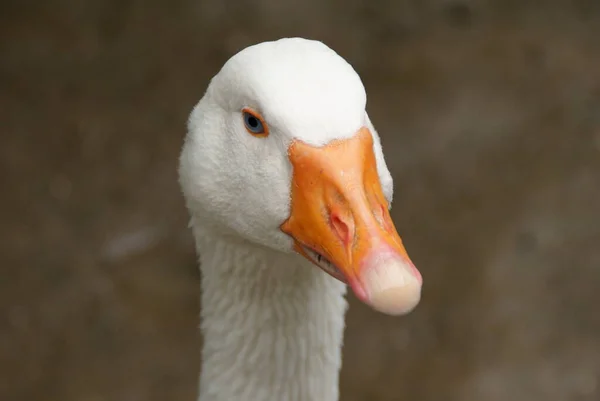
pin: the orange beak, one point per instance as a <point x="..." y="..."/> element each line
<point x="340" y="221"/>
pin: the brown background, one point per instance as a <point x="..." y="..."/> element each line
<point x="490" y="117"/>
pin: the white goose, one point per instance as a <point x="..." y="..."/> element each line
<point x="282" y="167"/>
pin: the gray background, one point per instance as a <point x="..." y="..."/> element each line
<point x="490" y="117"/>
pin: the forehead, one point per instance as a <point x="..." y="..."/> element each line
<point x="303" y="89"/>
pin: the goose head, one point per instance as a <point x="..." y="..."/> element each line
<point x="281" y="153"/>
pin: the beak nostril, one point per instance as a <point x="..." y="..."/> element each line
<point x="343" y="229"/>
<point x="379" y="215"/>
<point x="383" y="218"/>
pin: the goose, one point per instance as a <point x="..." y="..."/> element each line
<point x="288" y="193"/>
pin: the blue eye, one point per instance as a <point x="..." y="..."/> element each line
<point x="254" y="123"/>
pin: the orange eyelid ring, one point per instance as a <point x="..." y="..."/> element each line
<point x="260" y="118"/>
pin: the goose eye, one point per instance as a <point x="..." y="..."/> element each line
<point x="254" y="123"/>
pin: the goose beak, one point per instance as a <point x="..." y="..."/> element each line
<point x="339" y="220"/>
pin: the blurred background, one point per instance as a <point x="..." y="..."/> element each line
<point x="489" y="113"/>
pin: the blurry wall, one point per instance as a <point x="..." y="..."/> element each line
<point x="490" y="117"/>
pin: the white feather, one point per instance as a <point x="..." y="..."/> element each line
<point x="272" y="323"/>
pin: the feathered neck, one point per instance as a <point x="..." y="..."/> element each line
<point x="272" y="323"/>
